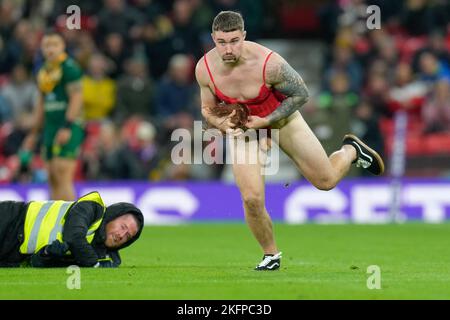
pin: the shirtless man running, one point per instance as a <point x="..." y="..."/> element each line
<point x="240" y="71"/>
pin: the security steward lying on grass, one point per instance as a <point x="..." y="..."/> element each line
<point x="61" y="233"/>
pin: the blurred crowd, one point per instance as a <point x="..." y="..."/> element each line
<point x="371" y="75"/>
<point x="139" y="56"/>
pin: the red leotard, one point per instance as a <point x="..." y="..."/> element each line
<point x="264" y="104"/>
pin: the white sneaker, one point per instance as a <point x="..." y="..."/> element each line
<point x="270" y="262"/>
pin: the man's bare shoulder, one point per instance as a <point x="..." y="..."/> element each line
<point x="274" y="67"/>
<point x="258" y="48"/>
<point x="201" y="73"/>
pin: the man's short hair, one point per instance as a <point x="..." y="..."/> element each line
<point x="228" y="21"/>
<point x="52" y="33"/>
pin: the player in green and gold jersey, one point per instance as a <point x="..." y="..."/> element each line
<point x="58" y="115"/>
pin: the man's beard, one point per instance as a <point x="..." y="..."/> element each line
<point x="229" y="58"/>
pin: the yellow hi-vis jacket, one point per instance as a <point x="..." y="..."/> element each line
<point x="44" y="222"/>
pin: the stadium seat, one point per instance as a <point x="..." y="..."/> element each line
<point x="92" y="133"/>
<point x="408" y="46"/>
<point x="437" y="144"/>
<point x="299" y="18"/>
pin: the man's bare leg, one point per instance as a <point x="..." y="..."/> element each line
<point x="250" y="181"/>
<point x="298" y="141"/>
<point x="61" y="176"/>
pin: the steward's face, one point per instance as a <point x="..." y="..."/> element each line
<point x="120" y="230"/>
<point x="229" y="45"/>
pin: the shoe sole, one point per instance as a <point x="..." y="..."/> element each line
<point x="268" y="269"/>
<point x="276" y="269"/>
<point x="373" y="152"/>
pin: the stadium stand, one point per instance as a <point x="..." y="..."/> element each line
<point x="127" y="48"/>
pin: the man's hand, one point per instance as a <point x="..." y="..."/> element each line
<point x="57" y="249"/>
<point x="225" y="124"/>
<point x="63" y="136"/>
<point x="50" y="255"/>
<point x="109" y="261"/>
<point x="228" y="117"/>
<point x="255" y="122"/>
<point x="105" y="264"/>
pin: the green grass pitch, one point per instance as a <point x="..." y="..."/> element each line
<point x="215" y="261"/>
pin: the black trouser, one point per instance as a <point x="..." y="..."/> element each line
<point x="12" y="219"/>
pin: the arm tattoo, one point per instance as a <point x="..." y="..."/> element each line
<point x="288" y="82"/>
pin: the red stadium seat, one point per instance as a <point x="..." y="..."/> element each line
<point x="414" y="139"/>
<point x="414" y="146"/>
<point x="129" y="131"/>
<point x="79" y="173"/>
<point x="92" y="133"/>
<point x="408" y="46"/>
<point x="386" y="126"/>
<point x="299" y="17"/>
<point x="437" y="144"/>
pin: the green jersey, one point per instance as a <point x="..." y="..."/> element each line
<point x="53" y="81"/>
<point x="56" y="100"/>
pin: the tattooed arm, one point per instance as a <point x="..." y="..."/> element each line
<point x="287" y="81"/>
<point x="283" y="78"/>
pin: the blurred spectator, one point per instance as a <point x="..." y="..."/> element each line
<point x="436" y="111"/>
<point x="166" y="5"/>
<point x="186" y="36"/>
<point x="101" y="161"/>
<point x="386" y="51"/>
<point x="431" y="69"/>
<point x="6" y="56"/>
<point x="24" y="167"/>
<point x="99" y="91"/>
<point x="377" y="92"/>
<point x="10" y="12"/>
<point x="437" y="46"/>
<point x="365" y="125"/>
<point x="157" y="42"/>
<point x="354" y="15"/>
<point x="343" y="61"/>
<point x="407" y="94"/>
<point x="6" y="112"/>
<point x="150" y="9"/>
<point x="13" y="46"/>
<point x="21" y="92"/>
<point x="146" y="150"/>
<point x="135" y="91"/>
<point x="85" y="48"/>
<point x="118" y="17"/>
<point x="417" y="17"/>
<point x="175" y="95"/>
<point x="120" y="157"/>
<point x="20" y="128"/>
<point x="115" y="49"/>
<point x="30" y="47"/>
<point x="203" y="16"/>
<point x="328" y="14"/>
<point x="336" y="107"/>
